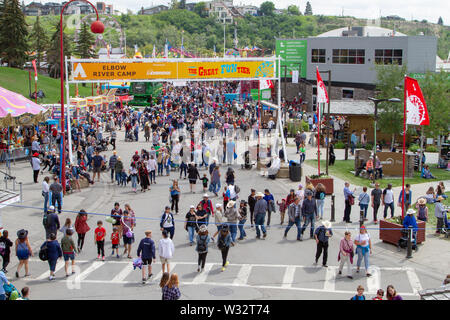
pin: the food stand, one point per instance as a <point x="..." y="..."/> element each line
<point x="94" y="103"/>
<point x="79" y="107"/>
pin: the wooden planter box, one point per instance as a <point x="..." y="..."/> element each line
<point x="394" y="235"/>
<point x="327" y="182"/>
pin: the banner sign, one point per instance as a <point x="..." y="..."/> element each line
<point x="293" y="54"/>
<point x="172" y="70"/>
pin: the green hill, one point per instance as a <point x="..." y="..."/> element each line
<point x="17" y="80"/>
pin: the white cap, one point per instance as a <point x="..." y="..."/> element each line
<point x="218" y="205"/>
<point x="192" y="206"/>
<point x="205" y="195"/>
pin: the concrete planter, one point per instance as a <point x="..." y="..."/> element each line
<point x="393" y="236"/>
<point x="327" y="182"/>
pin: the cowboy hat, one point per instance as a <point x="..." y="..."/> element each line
<point x="259" y="194"/>
<point x="410" y="211"/>
<point x="440" y="198"/>
<point x="203" y="228"/>
<point x="22" y="234"/>
<point x="230" y="204"/>
<point x="422" y="201"/>
<point x="326" y="224"/>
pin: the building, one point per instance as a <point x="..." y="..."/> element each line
<point x="224" y="11"/>
<point x="190" y="6"/>
<point x="250" y="10"/>
<point x="153" y="10"/>
<point x="77" y="7"/>
<point x="115" y="53"/>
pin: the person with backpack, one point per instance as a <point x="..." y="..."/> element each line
<point x="242" y="219"/>
<point x="146" y="251"/>
<point x="5" y="249"/>
<point x="223" y="243"/>
<point x="23" y="251"/>
<point x="81" y="227"/>
<point x="166" y="250"/>
<point x="364" y="200"/>
<point x="68" y="249"/>
<point x="207" y="206"/>
<point x="51" y="222"/>
<point x="320" y="198"/>
<point x="56" y="190"/>
<point x="190" y="224"/>
<point x="54" y="252"/>
<point x="202" y="247"/>
<point x="322" y="235"/>
<point x="167" y="222"/>
<point x="128" y="235"/>
<point x="294" y="217"/>
<point x="171" y="290"/>
<point x="193" y="175"/>
<point x="360" y="294"/>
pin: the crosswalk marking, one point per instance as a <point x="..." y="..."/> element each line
<point x="373" y="282"/>
<point x="94" y="266"/>
<point x="288" y="277"/>
<point x="123" y="273"/>
<point x="201" y="277"/>
<point x="413" y="280"/>
<point x="46" y="274"/>
<point x="243" y="275"/>
<point x="330" y="279"/>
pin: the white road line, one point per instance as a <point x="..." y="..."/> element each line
<point x="373" y="282"/>
<point x="243" y="275"/>
<point x="94" y="266"/>
<point x="413" y="280"/>
<point x="46" y="274"/>
<point x="123" y="273"/>
<point x="288" y="277"/>
<point x="201" y="277"/>
<point x="330" y="279"/>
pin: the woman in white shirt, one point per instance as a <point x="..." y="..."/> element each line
<point x="151" y="168"/>
<point x="45" y="191"/>
<point x="388" y="200"/>
<point x="363" y="249"/>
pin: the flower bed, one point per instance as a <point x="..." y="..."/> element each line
<point x="393" y="236"/>
<point x="325" y="180"/>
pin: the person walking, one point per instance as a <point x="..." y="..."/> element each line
<point x="218" y="219"/>
<point x="151" y="168"/>
<point x="251" y="200"/>
<point x="202" y="247"/>
<point x="407" y="198"/>
<point x="363" y="249"/>
<point x="376" y="201"/>
<point x="163" y="282"/>
<point x="191" y="224"/>
<point x="175" y="195"/>
<point x="23" y="251"/>
<point x="319" y="195"/>
<point x="422" y="209"/>
<point x="68" y="249"/>
<point x="5" y="250"/>
<point x="166" y="250"/>
<point x="206" y="205"/>
<point x="260" y="214"/>
<point x="146" y="251"/>
<point x="120" y="172"/>
<point x="215" y="185"/>
<point x="167" y="222"/>
<point x="349" y="201"/>
<point x="232" y="218"/>
<point x="223" y="243"/>
<point x="56" y="190"/>
<point x="388" y="200"/>
<point x="36" y="165"/>
<point x="322" y="235"/>
<point x="45" y="192"/>
<point x="133" y="172"/>
<point x="346" y="254"/>
<point x="171" y="290"/>
<point x="143" y="176"/>
<point x="294" y="217"/>
<point x="126" y="222"/>
<point x="242" y="211"/>
<point x="439" y="211"/>
<point x="97" y="164"/>
<point x="270" y="205"/>
<point x="364" y="200"/>
<point x="99" y="240"/>
<point x="51" y="222"/>
<point x="193" y="175"/>
<point x="309" y="214"/>
<point x="391" y="293"/>
<point x="54" y="253"/>
<point x="112" y="165"/>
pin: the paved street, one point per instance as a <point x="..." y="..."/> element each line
<point x="276" y="268"/>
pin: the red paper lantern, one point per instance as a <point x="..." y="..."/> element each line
<point x="97" y="27"/>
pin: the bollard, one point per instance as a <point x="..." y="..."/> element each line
<point x="409" y="247"/>
<point x="346" y="151"/>
<point x="20" y="188"/>
<point x="333" y="198"/>
<point x="361" y="218"/>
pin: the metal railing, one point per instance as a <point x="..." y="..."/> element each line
<point x="10" y="181"/>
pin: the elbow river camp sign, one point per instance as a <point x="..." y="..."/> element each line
<point x="163" y="69"/>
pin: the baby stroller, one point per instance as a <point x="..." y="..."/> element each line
<point x="129" y="137"/>
<point x="403" y="242"/>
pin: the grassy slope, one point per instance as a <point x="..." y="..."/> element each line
<point x="17" y="80"/>
<point x="342" y="168"/>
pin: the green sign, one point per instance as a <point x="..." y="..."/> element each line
<point x="417" y="76"/>
<point x="293" y="53"/>
<point x="265" y="94"/>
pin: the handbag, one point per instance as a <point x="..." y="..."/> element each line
<point x="351" y="200"/>
<point x="43" y="252"/>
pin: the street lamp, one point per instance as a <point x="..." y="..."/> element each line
<point x="96" y="27"/>
<point x="377" y="101"/>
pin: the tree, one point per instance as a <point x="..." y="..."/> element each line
<point x="308" y="9"/>
<point x="174" y="4"/>
<point x="182" y="4"/>
<point x="38" y="41"/>
<point x="200" y="9"/>
<point x="267" y="8"/>
<point x="440" y="21"/>
<point x="294" y="10"/>
<point x="388" y="84"/>
<point x="54" y="52"/>
<point x="85" y="44"/>
<point x="13" y="35"/>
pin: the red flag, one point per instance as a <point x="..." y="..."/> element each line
<point x="322" y="96"/>
<point x="416" y="108"/>
<point x="265" y="84"/>
<point x="35" y="69"/>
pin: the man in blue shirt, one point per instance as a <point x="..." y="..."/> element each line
<point x="322" y="234"/>
<point x="353" y="141"/>
<point x="147" y="249"/>
<point x="3" y="281"/>
<point x="348" y="196"/>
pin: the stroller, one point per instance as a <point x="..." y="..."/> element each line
<point x="11" y="292"/>
<point x="129" y="137"/>
<point x="403" y="242"/>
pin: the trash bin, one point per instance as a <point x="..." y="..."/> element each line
<point x="295" y="171"/>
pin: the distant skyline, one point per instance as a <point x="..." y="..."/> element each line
<point x="407" y="9"/>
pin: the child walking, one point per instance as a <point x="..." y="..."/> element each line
<point x="115" y="240"/>
<point x="99" y="240"/>
<point x="282" y="206"/>
<point x="205" y="182"/>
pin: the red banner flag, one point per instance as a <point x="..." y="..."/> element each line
<point x="322" y="96"/>
<point x="416" y="108"/>
<point x="35" y="70"/>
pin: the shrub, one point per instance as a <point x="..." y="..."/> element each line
<point x="369" y="146"/>
<point x="339" y="145"/>
<point x="414" y="148"/>
<point x="431" y="149"/>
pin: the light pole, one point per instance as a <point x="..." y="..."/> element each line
<point x="96" y="27"/>
<point x="377" y="101"/>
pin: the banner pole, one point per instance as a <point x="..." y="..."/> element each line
<point x="404" y="146"/>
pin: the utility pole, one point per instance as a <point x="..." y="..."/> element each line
<point x="224" y="39"/>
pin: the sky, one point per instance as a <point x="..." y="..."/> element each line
<point x="430" y="10"/>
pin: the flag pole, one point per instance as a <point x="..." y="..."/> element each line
<point x="404" y="146"/>
<point x="318" y="137"/>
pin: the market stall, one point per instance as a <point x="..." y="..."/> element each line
<point x="79" y="107"/>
